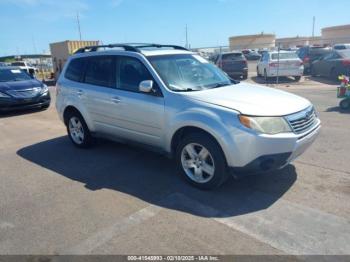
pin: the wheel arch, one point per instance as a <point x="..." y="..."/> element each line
<point x="190" y="129"/>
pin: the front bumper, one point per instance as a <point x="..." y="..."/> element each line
<point x="269" y="152"/>
<point x="12" y="104"/>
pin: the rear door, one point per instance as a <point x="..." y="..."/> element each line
<point x="99" y="92"/>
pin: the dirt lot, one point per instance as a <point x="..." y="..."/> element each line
<point x="117" y="199"/>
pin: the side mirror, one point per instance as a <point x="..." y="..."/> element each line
<point x="146" y="86"/>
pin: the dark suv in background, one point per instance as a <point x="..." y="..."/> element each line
<point x="233" y="63"/>
<point x="309" y="54"/>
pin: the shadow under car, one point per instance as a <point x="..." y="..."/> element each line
<point x="151" y="177"/>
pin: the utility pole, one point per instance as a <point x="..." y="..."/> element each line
<point x="78" y="22"/>
<point x="313" y="26"/>
<point x="186" y="37"/>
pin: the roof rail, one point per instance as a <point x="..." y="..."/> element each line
<point x="95" y="48"/>
<point x="127" y="47"/>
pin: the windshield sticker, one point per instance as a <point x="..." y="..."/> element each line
<point x="200" y="59"/>
<point x="16" y="71"/>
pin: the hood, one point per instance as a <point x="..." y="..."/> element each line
<point x="252" y="99"/>
<point x="19" y="85"/>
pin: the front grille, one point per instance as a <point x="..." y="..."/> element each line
<point x="26" y="93"/>
<point x="303" y="121"/>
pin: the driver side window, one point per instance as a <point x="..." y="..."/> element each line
<point x="131" y="73"/>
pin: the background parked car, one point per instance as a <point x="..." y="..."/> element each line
<point x="287" y="64"/>
<point x="309" y="54"/>
<point x="18" y="90"/>
<point x="25" y="66"/>
<point x="332" y="65"/>
<point x="233" y="63"/>
<point x="341" y="46"/>
<point x="251" y="54"/>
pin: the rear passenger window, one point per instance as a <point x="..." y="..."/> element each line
<point x="132" y="72"/>
<point x="100" y="71"/>
<point x="75" y="70"/>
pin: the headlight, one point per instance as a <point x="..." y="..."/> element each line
<point x="44" y="89"/>
<point x="4" y="95"/>
<point x="266" y="125"/>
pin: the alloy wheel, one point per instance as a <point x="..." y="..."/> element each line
<point x="198" y="163"/>
<point x="76" y="130"/>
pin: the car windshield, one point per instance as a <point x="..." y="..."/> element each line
<point x="9" y="75"/>
<point x="284" y="56"/>
<point x="188" y="72"/>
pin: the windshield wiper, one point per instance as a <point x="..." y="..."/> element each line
<point x="220" y="85"/>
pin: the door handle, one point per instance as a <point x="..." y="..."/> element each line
<point x="80" y="92"/>
<point x="115" y="99"/>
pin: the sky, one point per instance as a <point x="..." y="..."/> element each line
<point x="28" y="26"/>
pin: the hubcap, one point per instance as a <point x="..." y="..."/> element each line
<point x="197" y="163"/>
<point x="76" y="130"/>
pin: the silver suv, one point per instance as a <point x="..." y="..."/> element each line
<point x="176" y="102"/>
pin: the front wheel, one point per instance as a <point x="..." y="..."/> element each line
<point x="201" y="161"/>
<point x="78" y="131"/>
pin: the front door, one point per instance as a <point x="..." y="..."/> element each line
<point x="140" y="115"/>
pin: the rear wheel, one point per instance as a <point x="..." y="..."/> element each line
<point x="297" y="78"/>
<point x="313" y="71"/>
<point x="266" y="78"/>
<point x="201" y="161"/>
<point x="78" y="131"/>
<point x="245" y="76"/>
<point x="334" y="74"/>
<point x="345" y="104"/>
<point x="257" y="72"/>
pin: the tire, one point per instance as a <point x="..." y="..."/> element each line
<point x="345" y="104"/>
<point x="245" y="77"/>
<point x="333" y="75"/>
<point x="297" y="78"/>
<point x="210" y="164"/>
<point x="78" y="131"/>
<point x="257" y="72"/>
<point x="313" y="73"/>
<point x="45" y="107"/>
<point x="266" y="78"/>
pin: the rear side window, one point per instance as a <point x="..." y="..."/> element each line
<point x="132" y="73"/>
<point x="100" y="71"/>
<point x="233" y="56"/>
<point x="75" y="70"/>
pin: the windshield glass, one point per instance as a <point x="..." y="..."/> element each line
<point x="284" y="56"/>
<point x="8" y="75"/>
<point x="188" y="72"/>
